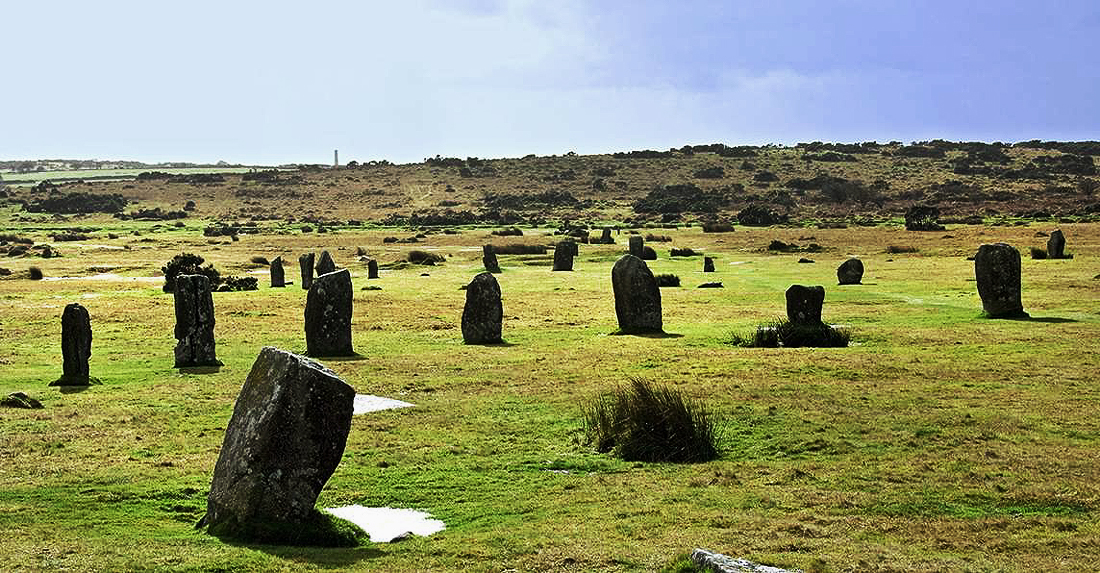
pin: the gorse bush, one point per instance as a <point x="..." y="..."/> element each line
<point x="418" y="257"/>
<point x="188" y="264"/>
<point x="648" y="423"/>
<point x="667" y="280"/>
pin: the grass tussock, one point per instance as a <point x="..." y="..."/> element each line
<point x="650" y="423"/>
<point x="782" y="332"/>
<point x="418" y="257"/>
<point x="900" y="249"/>
<point x="685" y="252"/>
<point x="667" y="280"/>
<point x="520" y="249"/>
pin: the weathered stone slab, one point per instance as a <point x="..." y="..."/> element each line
<point x="804" y="304"/>
<point x="563" y="255"/>
<point x="1056" y="245"/>
<point x="306" y="263"/>
<point x="194" y="322"/>
<point x="637" y="296"/>
<point x="372" y="269"/>
<point x="76" y="346"/>
<point x="708" y="265"/>
<point x="636" y="242"/>
<point x="278" y="278"/>
<point x="287" y="434"/>
<point x="328" y="315"/>
<point x="718" y="563"/>
<point x="997" y="271"/>
<point x="850" y="272"/>
<point x="483" y="315"/>
<point x="325" y="264"/>
<point x="489" y="259"/>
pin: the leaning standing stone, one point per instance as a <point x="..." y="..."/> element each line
<point x="636" y="244"/>
<point x="637" y="297"/>
<point x="850" y="272"/>
<point x="804" y="304"/>
<point x="997" y="270"/>
<point x="328" y="315"/>
<point x="194" y="322"/>
<point x="306" y="263"/>
<point x="278" y="278"/>
<point x="1056" y="245"/>
<point x="372" y="269"/>
<point x="325" y="264"/>
<point x="483" y="314"/>
<point x="563" y="255"/>
<point x="287" y="434"/>
<point x="76" y="346"/>
<point x="489" y="259"/>
<point x="708" y="265"/>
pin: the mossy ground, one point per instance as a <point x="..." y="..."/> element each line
<point x="939" y="440"/>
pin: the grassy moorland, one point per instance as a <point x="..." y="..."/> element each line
<point x="939" y="440"/>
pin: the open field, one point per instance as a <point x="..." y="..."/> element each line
<point x="31" y="178"/>
<point x="938" y="441"/>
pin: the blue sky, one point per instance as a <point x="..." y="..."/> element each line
<point x="277" y="82"/>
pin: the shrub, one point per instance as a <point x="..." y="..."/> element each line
<point x="681" y="198"/>
<point x="648" y="423"/>
<point x="9" y="238"/>
<point x="756" y="215"/>
<point x="509" y="232"/>
<point x="418" y="257"/>
<point x="188" y="264"/>
<point x="923" y="218"/>
<point x="78" y="202"/>
<point x="717" y="228"/>
<point x="899" y="249"/>
<point x="232" y="284"/>
<point x="1037" y="253"/>
<point x="651" y="238"/>
<point x="667" y="280"/>
<point x="685" y="252"/>
<point x="519" y="249"/>
<point x="716" y="172"/>
<point x="783" y="332"/>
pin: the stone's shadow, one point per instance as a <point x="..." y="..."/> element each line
<point x="68" y="389"/>
<point x="320" y="557"/>
<point x="349" y="358"/>
<point x="504" y="344"/>
<point x="212" y="369"/>
<point x="1045" y="319"/>
<point x="647" y="334"/>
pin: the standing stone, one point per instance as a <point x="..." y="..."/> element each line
<point x="850" y="272"/>
<point x="194" y="322"/>
<point x="804" y="304"/>
<point x="605" y="238"/>
<point x="328" y="315"/>
<point x="489" y="259"/>
<point x="708" y="265"/>
<point x="325" y="264"/>
<point x="483" y="314"/>
<point x="1056" y="245"/>
<point x="997" y="270"/>
<point x="287" y="434"/>
<point x="563" y="255"/>
<point x="636" y="244"/>
<point x="637" y="297"/>
<point x="372" y="269"/>
<point x="306" y="263"/>
<point x="278" y="278"/>
<point x="76" y="346"/>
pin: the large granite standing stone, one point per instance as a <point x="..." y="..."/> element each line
<point x="563" y="255"/>
<point x="1056" y="245"/>
<point x="76" y="346"/>
<point x="636" y="242"/>
<point x="637" y="296"/>
<point x="328" y="315"/>
<point x="489" y="259"/>
<point x="708" y="265"/>
<point x="997" y="270"/>
<point x="306" y="263"/>
<point x="325" y="264"/>
<point x="278" y="277"/>
<point x="194" y="322"/>
<point x="287" y="434"/>
<point x="372" y="269"/>
<point x="850" y="272"/>
<point x="804" y="304"/>
<point x="483" y="314"/>
<point x="606" y="238"/>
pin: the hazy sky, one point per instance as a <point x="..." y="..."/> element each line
<point x="275" y="82"/>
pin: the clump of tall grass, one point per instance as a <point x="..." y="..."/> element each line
<point x="649" y="423"/>
<point x="667" y="280"/>
<point x="782" y="332"/>
<point x="899" y="249"/>
<point x="418" y="257"/>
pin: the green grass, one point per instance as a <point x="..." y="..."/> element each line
<point x="937" y="440"/>
<point x="16" y="179"/>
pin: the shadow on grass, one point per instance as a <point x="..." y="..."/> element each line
<point x="647" y="334"/>
<point x="320" y="538"/>
<point x="320" y="557"/>
<point x="503" y="344"/>
<point x="72" y="389"/>
<point x="350" y="358"/>
<point x="200" y="369"/>
<point x="1045" y="319"/>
